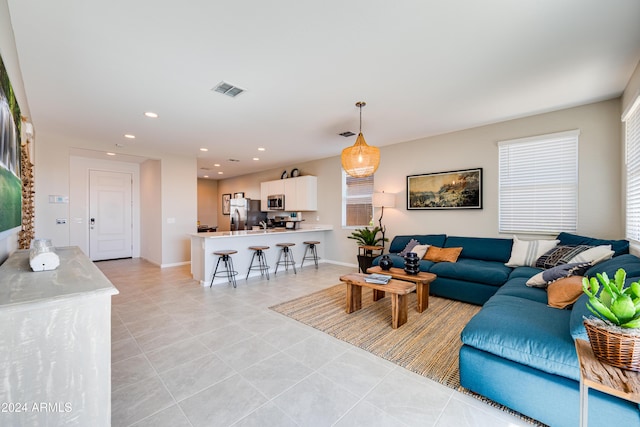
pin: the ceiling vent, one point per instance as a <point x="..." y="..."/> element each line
<point x="228" y="89"/>
<point x="347" y="134"/>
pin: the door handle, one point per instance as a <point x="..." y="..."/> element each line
<point x="92" y="223"/>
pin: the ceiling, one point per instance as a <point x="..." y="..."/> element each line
<point x="92" y="68"/>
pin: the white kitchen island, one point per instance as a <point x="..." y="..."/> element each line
<point x="203" y="245"/>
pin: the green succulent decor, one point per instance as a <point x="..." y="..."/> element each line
<point x="613" y="302"/>
<point x="368" y="237"/>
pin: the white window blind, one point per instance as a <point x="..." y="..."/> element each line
<point x="631" y="120"/>
<point x="538" y="183"/>
<point x="357" y="206"/>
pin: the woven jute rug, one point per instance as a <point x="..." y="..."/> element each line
<point x="428" y="344"/>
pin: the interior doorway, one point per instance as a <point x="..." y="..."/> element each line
<point x="110" y="215"/>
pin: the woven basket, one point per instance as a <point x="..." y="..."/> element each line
<point x="616" y="349"/>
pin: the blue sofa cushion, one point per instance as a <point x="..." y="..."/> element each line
<point x="526" y="332"/>
<point x="482" y="248"/>
<point x="578" y="313"/>
<point x="619" y="246"/>
<point x="473" y="270"/>
<point x="630" y="263"/>
<point x="517" y="287"/>
<point x="524" y="271"/>
<point x="399" y="242"/>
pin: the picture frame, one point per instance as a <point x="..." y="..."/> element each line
<point x="226" y="204"/>
<point x="239" y="195"/>
<point x="460" y="189"/>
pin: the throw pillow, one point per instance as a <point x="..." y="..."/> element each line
<point x="544" y="278"/>
<point x="564" y="292"/>
<point x="594" y="255"/>
<point x="561" y="254"/>
<point x="437" y="254"/>
<point x="526" y="252"/>
<point x="409" y="248"/>
<point x="420" y="250"/>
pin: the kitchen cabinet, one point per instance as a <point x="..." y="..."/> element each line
<point x="300" y="193"/>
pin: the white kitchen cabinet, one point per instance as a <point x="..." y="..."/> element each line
<point x="300" y="193"/>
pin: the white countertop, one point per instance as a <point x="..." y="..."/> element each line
<point x="244" y="233"/>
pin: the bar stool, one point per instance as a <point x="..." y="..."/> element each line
<point x="225" y="256"/>
<point x="311" y="246"/>
<point x="288" y="257"/>
<point x="262" y="261"/>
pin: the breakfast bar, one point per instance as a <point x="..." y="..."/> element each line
<point x="203" y="245"/>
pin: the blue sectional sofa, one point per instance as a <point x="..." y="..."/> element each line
<point x="518" y="351"/>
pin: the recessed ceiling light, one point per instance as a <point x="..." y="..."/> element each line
<point x="216" y="165"/>
<point x="204" y="149"/>
<point x="129" y="136"/>
<point x="206" y="176"/>
<point x="256" y="158"/>
<point x="111" y="154"/>
<point x="220" y="173"/>
<point x="151" y="114"/>
<point x="261" y="149"/>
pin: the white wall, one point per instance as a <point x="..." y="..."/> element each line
<point x="208" y="202"/>
<point x="150" y="209"/>
<point x="599" y="177"/>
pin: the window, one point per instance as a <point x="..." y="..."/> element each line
<point x="631" y="119"/>
<point x="538" y="183"/>
<point x="357" y="206"/>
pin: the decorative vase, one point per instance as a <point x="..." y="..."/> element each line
<point x="385" y="262"/>
<point x="411" y="263"/>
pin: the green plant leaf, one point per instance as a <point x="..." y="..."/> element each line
<point x="601" y="311"/>
<point x="622" y="307"/>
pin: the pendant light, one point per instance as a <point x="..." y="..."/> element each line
<point x="360" y="159"/>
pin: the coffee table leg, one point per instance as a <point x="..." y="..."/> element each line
<point x="398" y="310"/>
<point x="354" y="297"/>
<point x="422" y="294"/>
<point x="377" y="294"/>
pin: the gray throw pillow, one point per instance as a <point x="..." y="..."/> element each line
<point x="412" y="243"/>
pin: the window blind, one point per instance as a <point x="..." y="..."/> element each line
<point x="357" y="206"/>
<point x="631" y="120"/>
<point x="538" y="183"/>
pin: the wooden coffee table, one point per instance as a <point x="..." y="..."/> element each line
<point x="421" y="280"/>
<point x="398" y="289"/>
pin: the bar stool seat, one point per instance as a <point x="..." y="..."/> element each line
<point x="258" y="251"/>
<point x="288" y="257"/>
<point x="311" y="246"/>
<point x="225" y="257"/>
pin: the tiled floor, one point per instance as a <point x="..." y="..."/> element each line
<point x="187" y="355"/>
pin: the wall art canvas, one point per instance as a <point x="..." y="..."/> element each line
<point x="445" y="190"/>
<point x="226" y="204"/>
<point x="10" y="181"/>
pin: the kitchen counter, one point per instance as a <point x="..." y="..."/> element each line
<point x="203" y="245"/>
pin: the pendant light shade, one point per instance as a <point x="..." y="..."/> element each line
<point x="360" y="159"/>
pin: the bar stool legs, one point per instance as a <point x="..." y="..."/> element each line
<point x="288" y="258"/>
<point x="225" y="257"/>
<point x="311" y="246"/>
<point x="262" y="261"/>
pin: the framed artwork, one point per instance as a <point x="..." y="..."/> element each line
<point x="445" y="190"/>
<point x="239" y="195"/>
<point x="226" y="204"/>
<point x="10" y="179"/>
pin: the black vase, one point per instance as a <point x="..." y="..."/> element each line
<point x="385" y="262"/>
<point x="411" y="263"/>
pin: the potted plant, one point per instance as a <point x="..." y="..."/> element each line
<point x="615" y="332"/>
<point x="367" y="237"/>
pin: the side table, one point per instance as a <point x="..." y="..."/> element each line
<point x="608" y="379"/>
<point x="366" y="254"/>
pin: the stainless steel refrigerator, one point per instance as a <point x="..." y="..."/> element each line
<point x="245" y="213"/>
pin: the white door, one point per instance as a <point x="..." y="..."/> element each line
<point x="110" y="212"/>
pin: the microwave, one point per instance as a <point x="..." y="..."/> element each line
<point x="275" y="202"/>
